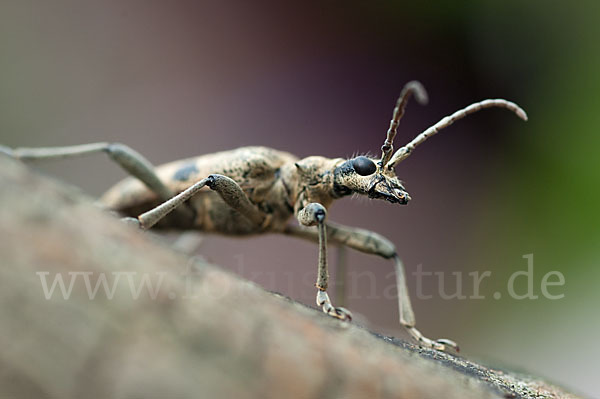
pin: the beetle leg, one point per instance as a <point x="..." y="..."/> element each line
<point x="373" y="243"/>
<point x="128" y="159"/>
<point x="311" y="215"/>
<point x="340" y="276"/>
<point x="226" y="187"/>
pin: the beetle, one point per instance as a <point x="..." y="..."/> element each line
<point x="253" y="190"/>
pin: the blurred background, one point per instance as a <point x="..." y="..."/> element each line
<point x="178" y="79"/>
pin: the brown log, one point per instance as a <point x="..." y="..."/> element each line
<point x="205" y="334"/>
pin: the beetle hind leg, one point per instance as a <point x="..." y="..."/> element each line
<point x="134" y="163"/>
<point x="130" y="160"/>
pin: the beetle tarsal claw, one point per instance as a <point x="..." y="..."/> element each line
<point x="325" y="303"/>
<point x="440" y="345"/>
<point x="342" y="314"/>
<point x="448" y="343"/>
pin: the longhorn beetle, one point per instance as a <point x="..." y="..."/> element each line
<point x="254" y="190"/>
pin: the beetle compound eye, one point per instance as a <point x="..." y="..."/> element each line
<point x="364" y="166"/>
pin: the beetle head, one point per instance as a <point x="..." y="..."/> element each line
<point x="376" y="178"/>
<point x="361" y="175"/>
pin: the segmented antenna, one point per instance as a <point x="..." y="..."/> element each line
<point x="405" y="151"/>
<point x="412" y="87"/>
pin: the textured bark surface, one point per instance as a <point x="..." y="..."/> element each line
<point x="202" y="333"/>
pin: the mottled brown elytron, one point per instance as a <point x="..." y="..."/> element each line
<point x="253" y="190"/>
<point x="267" y="177"/>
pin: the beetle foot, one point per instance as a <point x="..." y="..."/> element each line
<point x="440" y="345"/>
<point x="447" y="343"/>
<point x="340" y="313"/>
<point x="325" y="303"/>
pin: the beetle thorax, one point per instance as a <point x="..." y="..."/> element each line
<point x="315" y="180"/>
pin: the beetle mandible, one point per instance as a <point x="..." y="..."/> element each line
<point x="253" y="190"/>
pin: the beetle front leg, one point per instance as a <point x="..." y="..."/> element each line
<point x="372" y="243"/>
<point x="311" y="215"/>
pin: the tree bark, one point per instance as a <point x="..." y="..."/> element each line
<point x="200" y="332"/>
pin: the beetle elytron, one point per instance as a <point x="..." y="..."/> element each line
<point x="255" y="190"/>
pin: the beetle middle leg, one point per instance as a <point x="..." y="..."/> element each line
<point x="311" y="215"/>
<point x="373" y="243"/>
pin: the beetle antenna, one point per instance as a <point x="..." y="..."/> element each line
<point x="405" y="151"/>
<point x="412" y="87"/>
